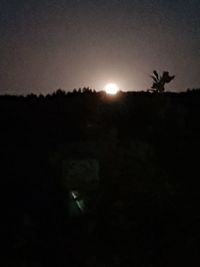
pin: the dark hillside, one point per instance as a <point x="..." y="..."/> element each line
<point x="144" y="210"/>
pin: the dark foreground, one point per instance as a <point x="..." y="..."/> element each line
<point x="144" y="210"/>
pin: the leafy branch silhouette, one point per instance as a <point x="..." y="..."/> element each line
<point x="160" y="81"/>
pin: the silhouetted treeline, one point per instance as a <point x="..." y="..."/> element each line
<point x="145" y="210"/>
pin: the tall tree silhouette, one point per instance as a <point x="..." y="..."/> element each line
<point x="160" y="81"/>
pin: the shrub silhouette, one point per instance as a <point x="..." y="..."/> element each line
<point x="159" y="82"/>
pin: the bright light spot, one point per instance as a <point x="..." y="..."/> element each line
<point x="111" y="88"/>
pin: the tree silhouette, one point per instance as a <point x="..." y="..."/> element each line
<point x="59" y="93"/>
<point x="160" y="81"/>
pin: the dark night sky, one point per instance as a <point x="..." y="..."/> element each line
<point x="45" y="45"/>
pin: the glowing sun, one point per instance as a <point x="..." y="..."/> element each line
<point x="111" y="88"/>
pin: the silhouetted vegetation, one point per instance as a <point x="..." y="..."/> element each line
<point x="160" y="81"/>
<point x="145" y="210"/>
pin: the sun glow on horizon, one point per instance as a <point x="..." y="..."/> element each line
<point x="111" y="89"/>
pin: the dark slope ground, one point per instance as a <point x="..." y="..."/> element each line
<point x="145" y="209"/>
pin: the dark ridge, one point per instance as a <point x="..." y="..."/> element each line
<point x="145" y="209"/>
